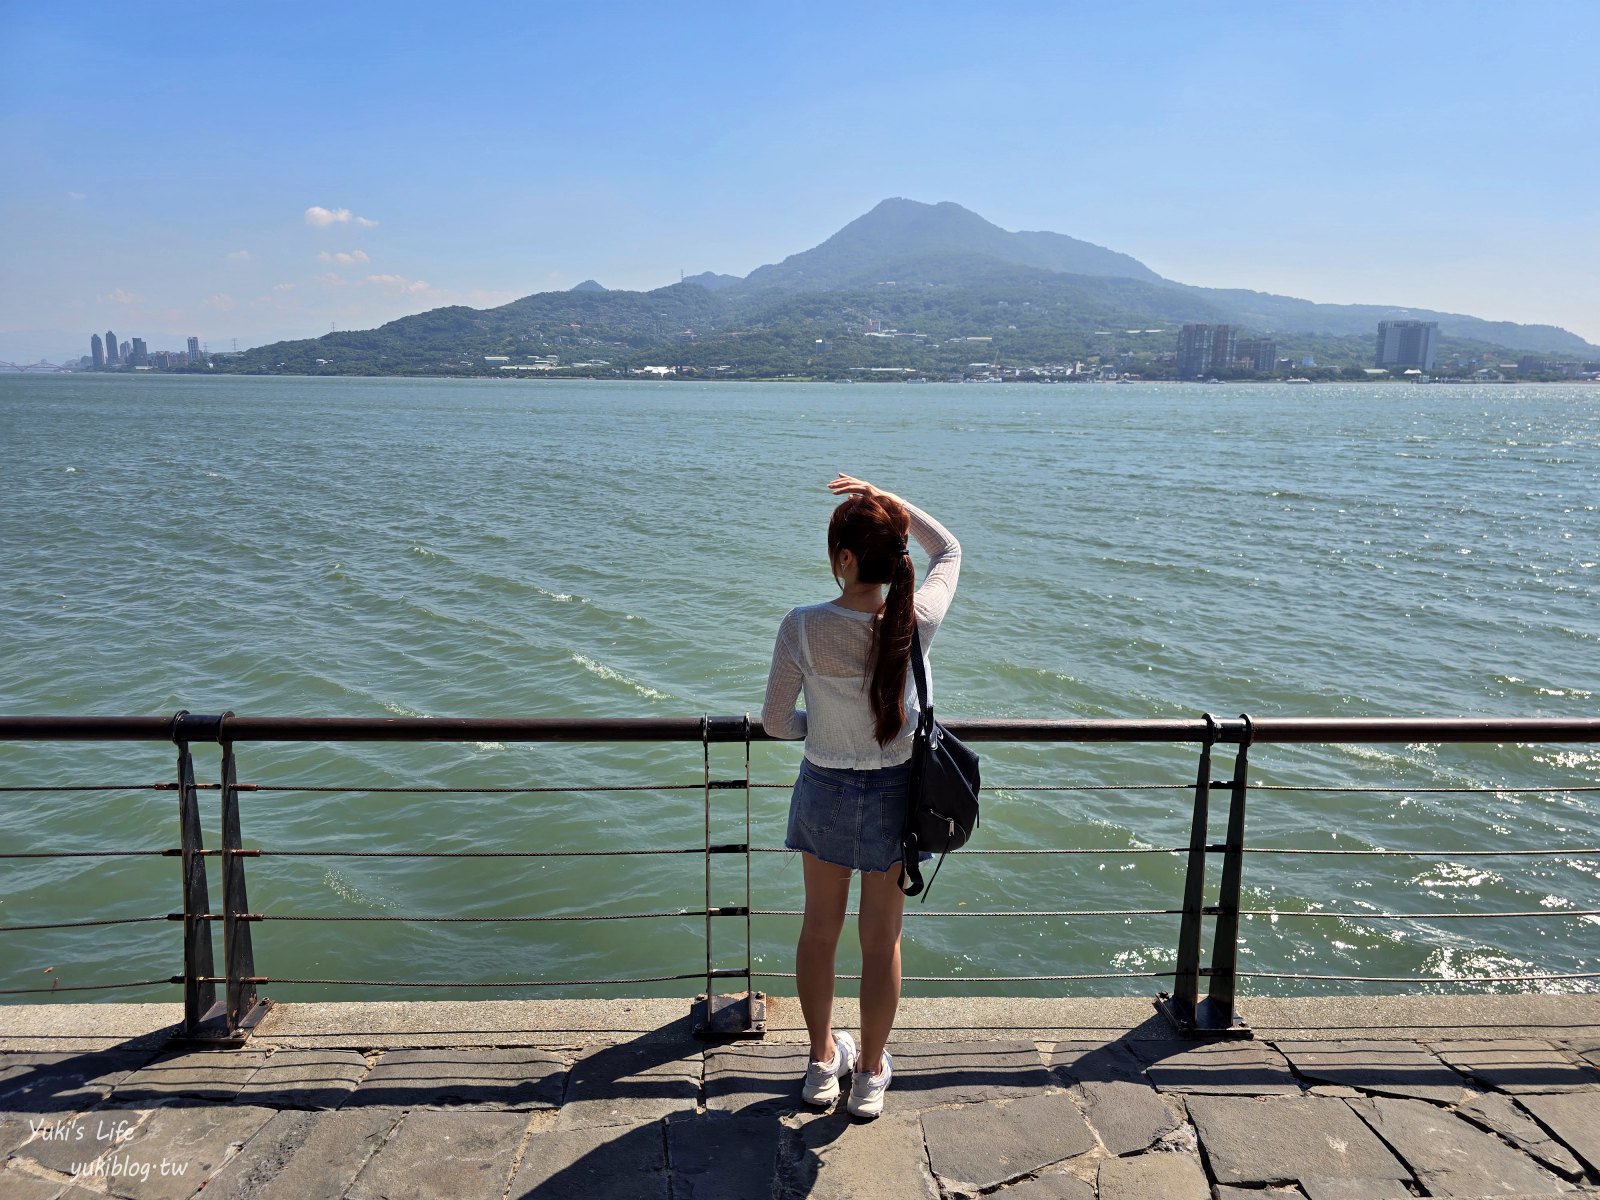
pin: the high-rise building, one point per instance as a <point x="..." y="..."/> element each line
<point x="1206" y="348"/>
<point x="1224" y="346"/>
<point x="1406" y="344"/>
<point x="1194" y="350"/>
<point x="194" y="349"/>
<point x="97" y="350"/>
<point x="112" y="358"/>
<point x="139" y="355"/>
<point x="1259" y="354"/>
<point x="126" y="351"/>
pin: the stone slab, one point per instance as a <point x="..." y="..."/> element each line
<point x="197" y="1074"/>
<point x="433" y="1153"/>
<point x="1154" y="1177"/>
<point x="1217" y="1068"/>
<point x="1129" y="1117"/>
<point x="15" y="1131"/>
<point x="1574" y="1118"/>
<point x="304" y="1155"/>
<point x="755" y="1078"/>
<point x="1354" y="1189"/>
<point x="1083" y="1062"/>
<point x="978" y="1147"/>
<point x="1500" y="1114"/>
<point x="1387" y="1068"/>
<point x="44" y="1082"/>
<point x="14" y="1185"/>
<point x="1519" y="1066"/>
<point x="1226" y="1191"/>
<point x="612" y="1162"/>
<point x="176" y="1150"/>
<point x="929" y="1074"/>
<point x="1451" y="1157"/>
<point x="839" y="1158"/>
<point x="1279" y="1140"/>
<point x="1055" y="1186"/>
<point x="715" y="1157"/>
<point x="623" y="1085"/>
<point x="305" y="1079"/>
<point x="1587" y="1049"/>
<point x="513" y="1079"/>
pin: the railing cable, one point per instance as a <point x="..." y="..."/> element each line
<point x="93" y="987"/>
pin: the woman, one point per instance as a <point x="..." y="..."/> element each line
<point x="851" y="657"/>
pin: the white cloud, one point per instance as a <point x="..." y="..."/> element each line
<point x="331" y="279"/>
<point x="221" y="301"/>
<point x="76" y="196"/>
<point x="283" y="287"/>
<point x="323" y="217"/>
<point x="398" y="283"/>
<point x="341" y="256"/>
<point x="119" y="296"/>
<point x="240" y="256"/>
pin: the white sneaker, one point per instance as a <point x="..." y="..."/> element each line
<point x="866" y="1090"/>
<point x="822" y="1079"/>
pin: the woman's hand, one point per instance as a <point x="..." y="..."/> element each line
<point x="849" y="485"/>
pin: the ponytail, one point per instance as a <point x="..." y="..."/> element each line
<point x="874" y="528"/>
<point x="891" y="651"/>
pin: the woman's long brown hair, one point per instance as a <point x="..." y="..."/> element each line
<point x="874" y="529"/>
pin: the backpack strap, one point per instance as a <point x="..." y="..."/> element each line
<point x="910" y="866"/>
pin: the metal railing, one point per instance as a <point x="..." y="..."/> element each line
<point x="231" y="1015"/>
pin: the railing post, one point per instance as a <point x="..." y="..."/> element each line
<point x="1179" y="1007"/>
<point x="244" y="1009"/>
<point x="201" y="1016"/>
<point x="744" y="1014"/>
<point x="1213" y="1016"/>
<point x="1225" y="949"/>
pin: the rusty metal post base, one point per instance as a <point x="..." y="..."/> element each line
<point x="1207" y="1020"/>
<point x="740" y="1016"/>
<point x="212" y="1029"/>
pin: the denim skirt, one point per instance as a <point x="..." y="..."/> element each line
<point x="849" y="818"/>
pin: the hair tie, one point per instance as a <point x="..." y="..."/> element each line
<point x="904" y="549"/>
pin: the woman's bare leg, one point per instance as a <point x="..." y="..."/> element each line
<point x="827" y="897"/>
<point x="882" y="907"/>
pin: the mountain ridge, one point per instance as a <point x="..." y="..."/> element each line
<point x="906" y="282"/>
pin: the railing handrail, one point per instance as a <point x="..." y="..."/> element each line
<point x="1277" y="730"/>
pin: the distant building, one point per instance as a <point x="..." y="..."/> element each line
<point x="1406" y="344"/>
<point x="194" y="349"/>
<point x="112" y="358"/>
<point x="139" y="354"/>
<point x="97" y="350"/>
<point x="126" y="351"/>
<point x="1259" y="354"/>
<point x="1194" y="350"/>
<point x="1206" y="348"/>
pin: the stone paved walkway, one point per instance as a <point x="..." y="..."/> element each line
<point x="1139" y="1116"/>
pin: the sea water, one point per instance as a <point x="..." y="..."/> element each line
<point x="374" y="547"/>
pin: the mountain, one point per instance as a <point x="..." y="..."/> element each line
<point x="713" y="282"/>
<point x="899" y="233"/>
<point x="927" y="287"/>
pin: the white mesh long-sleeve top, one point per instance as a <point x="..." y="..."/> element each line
<point x="822" y="651"/>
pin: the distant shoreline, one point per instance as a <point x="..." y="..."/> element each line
<point x="1431" y="381"/>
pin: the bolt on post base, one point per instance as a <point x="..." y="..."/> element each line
<point x="1208" y="1019"/>
<point x="739" y="1016"/>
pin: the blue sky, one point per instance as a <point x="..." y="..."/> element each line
<point x="162" y="159"/>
